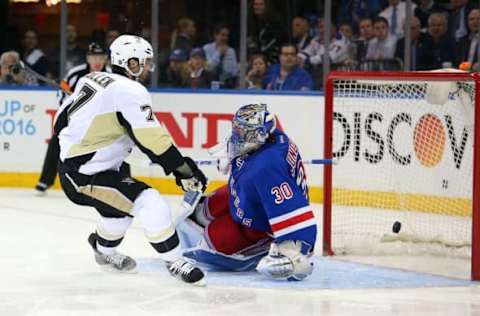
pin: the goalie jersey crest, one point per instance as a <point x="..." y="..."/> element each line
<point x="269" y="192"/>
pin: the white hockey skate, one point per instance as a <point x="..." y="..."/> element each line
<point x="187" y="272"/>
<point x="116" y="262"/>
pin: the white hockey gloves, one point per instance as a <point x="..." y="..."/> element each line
<point x="285" y="261"/>
<point x="189" y="177"/>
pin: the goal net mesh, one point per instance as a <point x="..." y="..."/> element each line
<point x="402" y="182"/>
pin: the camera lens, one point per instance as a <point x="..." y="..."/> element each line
<point x="15" y="69"/>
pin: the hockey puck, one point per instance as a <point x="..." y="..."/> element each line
<point x="396" y="227"/>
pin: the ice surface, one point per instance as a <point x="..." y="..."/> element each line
<point x="47" y="268"/>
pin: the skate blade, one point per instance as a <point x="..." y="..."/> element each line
<point x="40" y="193"/>
<point x="110" y="269"/>
<point x="199" y="283"/>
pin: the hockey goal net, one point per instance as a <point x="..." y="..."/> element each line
<point x="404" y="176"/>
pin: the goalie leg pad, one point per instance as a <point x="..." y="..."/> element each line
<point x="224" y="262"/>
<point x="289" y="260"/>
<point x="190" y="233"/>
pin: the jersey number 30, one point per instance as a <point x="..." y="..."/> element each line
<point x="282" y="192"/>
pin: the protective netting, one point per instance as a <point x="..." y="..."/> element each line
<point x="404" y="154"/>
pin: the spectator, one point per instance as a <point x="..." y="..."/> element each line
<point x="199" y="77"/>
<point x="353" y="11"/>
<point x="110" y="37"/>
<point x="287" y="75"/>
<point x="457" y="19"/>
<point x="381" y="47"/>
<point x="177" y="71"/>
<point x="469" y="44"/>
<point x="12" y="71"/>
<point x="424" y="9"/>
<point x="33" y="56"/>
<point x="75" y="54"/>
<point x="184" y="34"/>
<point x="366" y="35"/>
<point x="221" y="58"/>
<point x="264" y="30"/>
<point x="257" y="68"/>
<point x="300" y="32"/>
<point x="439" y="46"/>
<point x="417" y="48"/>
<point x="395" y="15"/>
<point x="313" y="54"/>
<point x="346" y="31"/>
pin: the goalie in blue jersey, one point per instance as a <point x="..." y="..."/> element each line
<point x="262" y="219"/>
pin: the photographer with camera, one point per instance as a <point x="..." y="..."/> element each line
<point x="12" y="71"/>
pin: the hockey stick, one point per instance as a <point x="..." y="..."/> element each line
<point x="62" y="85"/>
<point x="210" y="162"/>
<point x="213" y="162"/>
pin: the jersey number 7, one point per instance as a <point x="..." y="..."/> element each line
<point x="84" y="95"/>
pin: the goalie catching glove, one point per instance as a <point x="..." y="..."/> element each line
<point x="189" y="177"/>
<point x="289" y="260"/>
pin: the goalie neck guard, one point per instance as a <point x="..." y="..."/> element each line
<point x="252" y="124"/>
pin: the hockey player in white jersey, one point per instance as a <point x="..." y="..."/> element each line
<point x="98" y="125"/>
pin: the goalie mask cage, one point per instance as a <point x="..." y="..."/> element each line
<point x="405" y="146"/>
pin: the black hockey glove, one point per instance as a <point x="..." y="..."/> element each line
<point x="189" y="177"/>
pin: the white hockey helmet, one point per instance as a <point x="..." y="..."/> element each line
<point x="126" y="47"/>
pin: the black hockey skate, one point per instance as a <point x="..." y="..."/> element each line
<point x="186" y="272"/>
<point x="41" y="189"/>
<point x="115" y="262"/>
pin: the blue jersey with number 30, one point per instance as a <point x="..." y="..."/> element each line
<point x="269" y="192"/>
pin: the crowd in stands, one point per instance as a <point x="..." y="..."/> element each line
<point x="366" y="35"/>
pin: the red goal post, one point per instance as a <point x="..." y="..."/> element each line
<point x="402" y="89"/>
